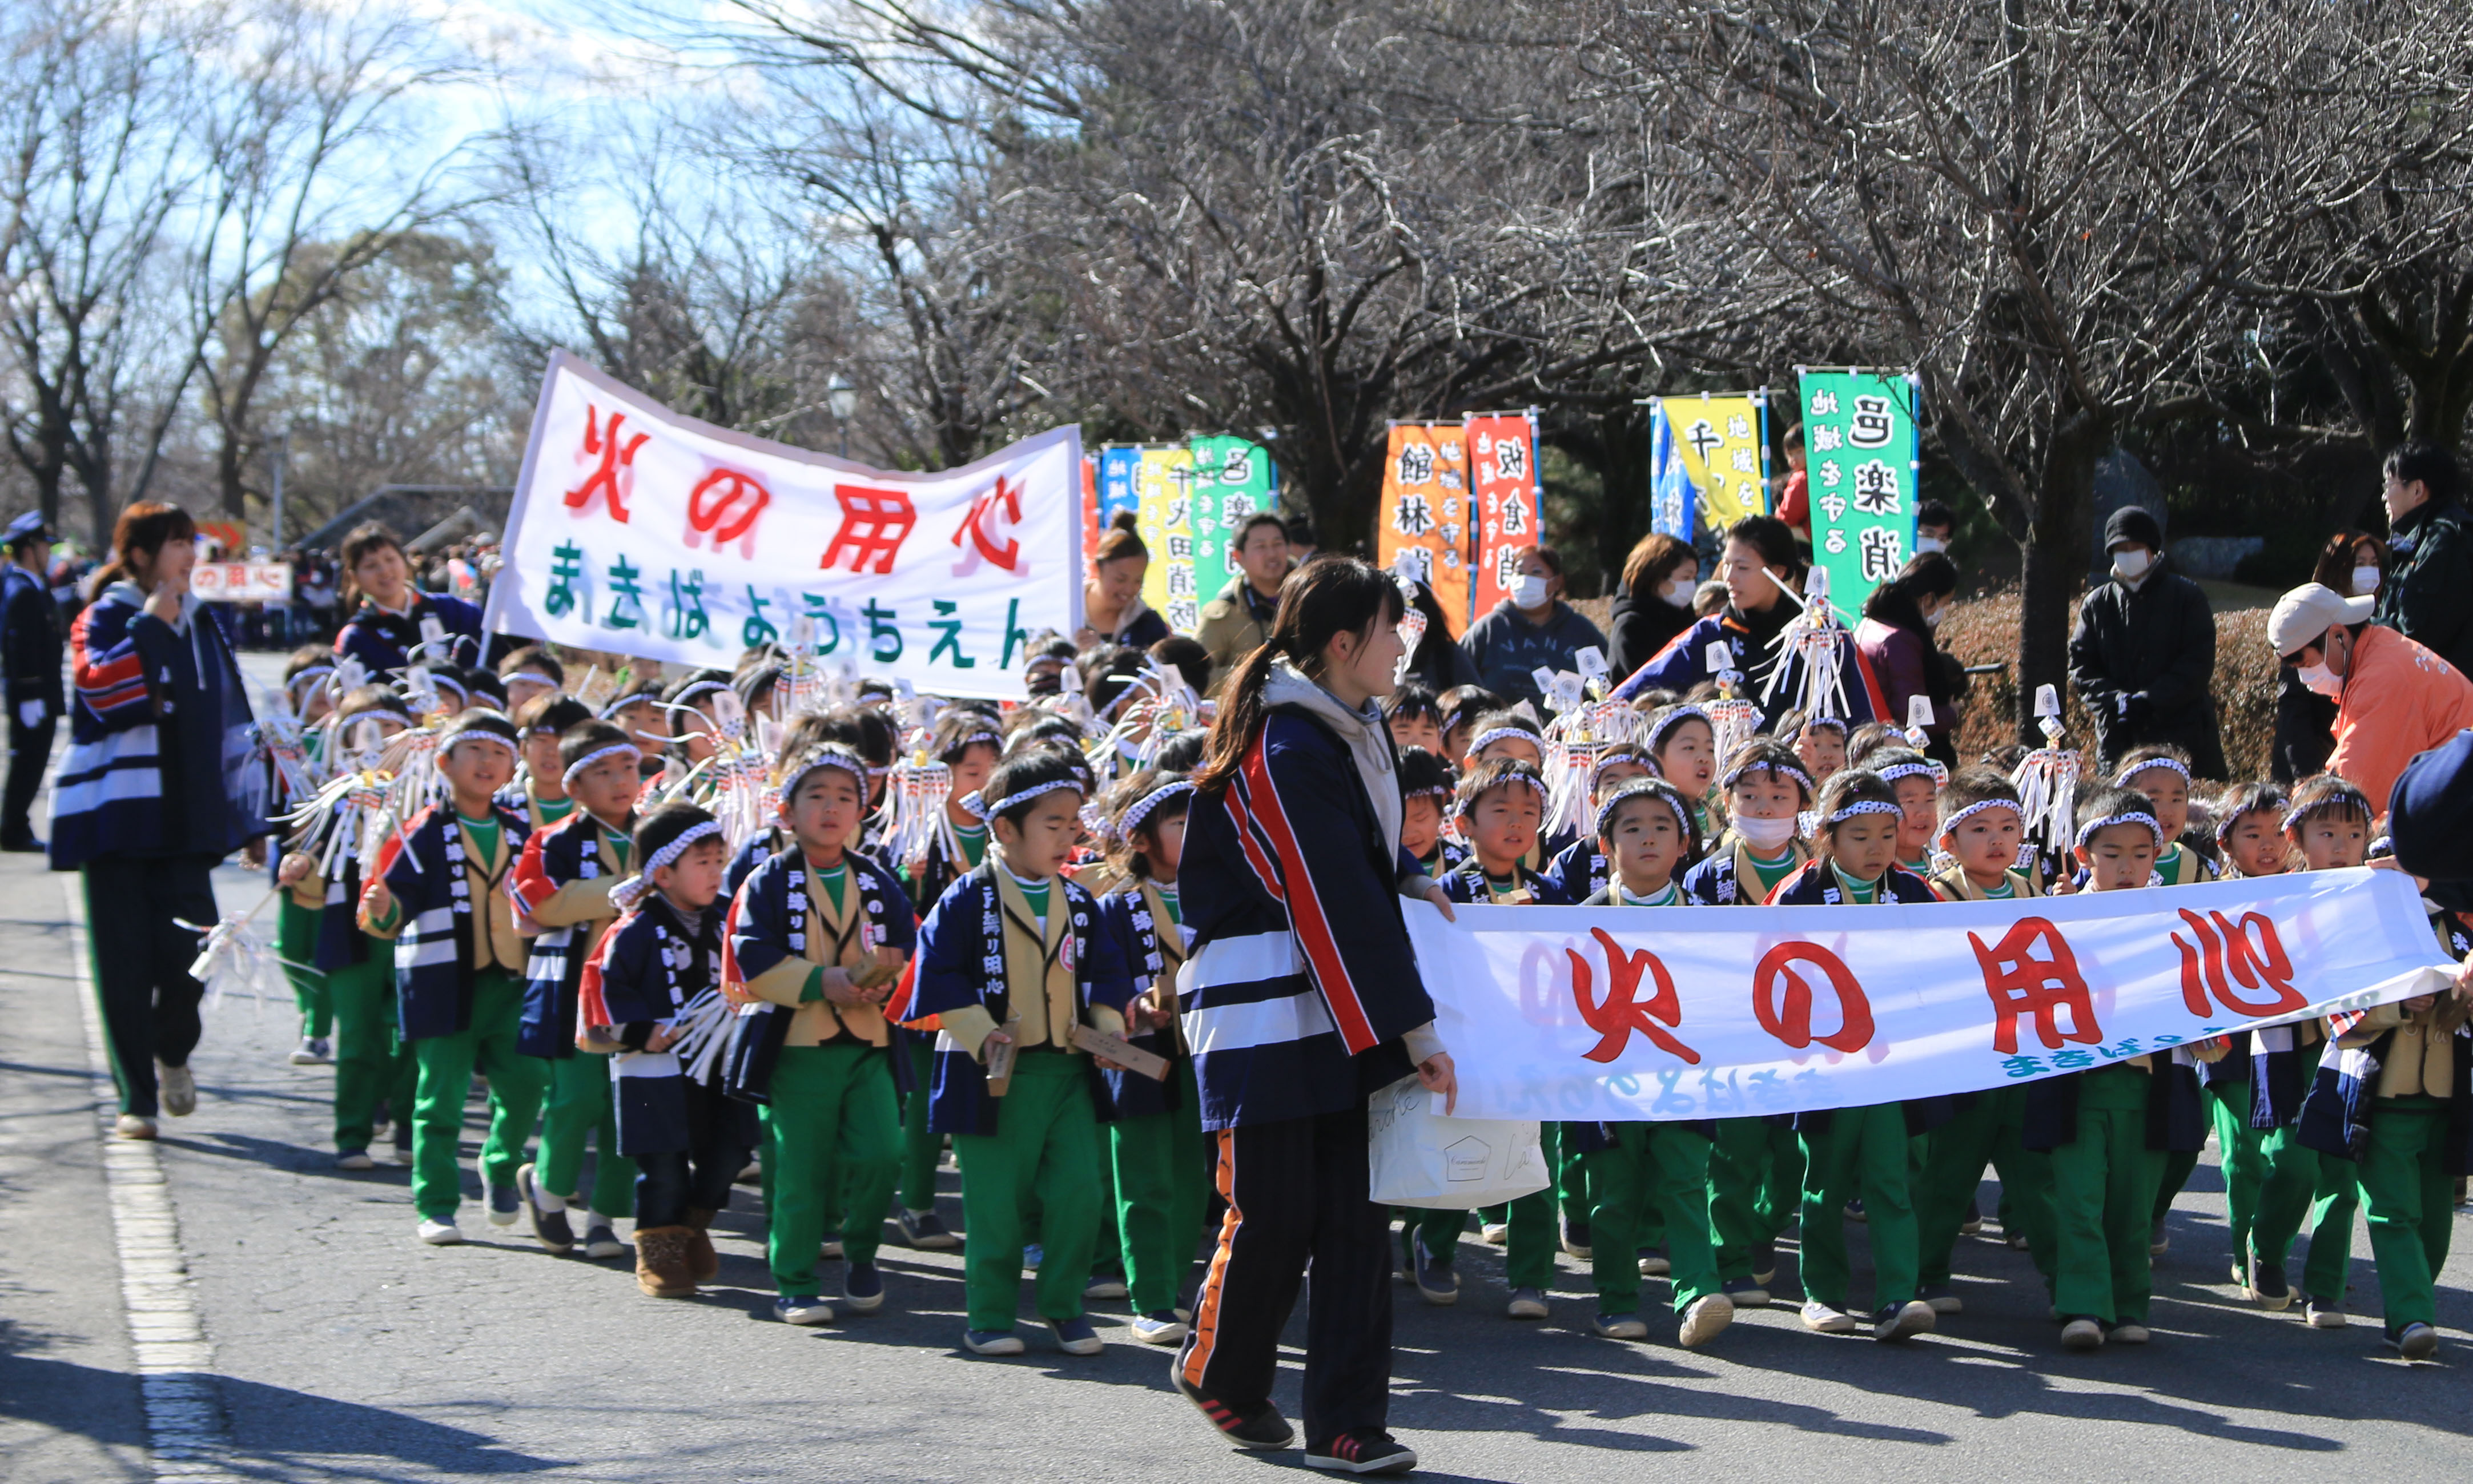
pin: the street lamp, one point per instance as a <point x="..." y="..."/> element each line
<point x="842" y="398"/>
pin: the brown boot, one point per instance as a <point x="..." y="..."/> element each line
<point x="662" y="1262"/>
<point x="702" y="1261"/>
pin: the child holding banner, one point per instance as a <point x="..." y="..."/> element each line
<point x="1917" y="780"/>
<point x="2161" y="774"/>
<point x="1859" y="1151"/>
<point x="1756" y="1169"/>
<point x="1645" y="1175"/>
<point x="1981" y="830"/>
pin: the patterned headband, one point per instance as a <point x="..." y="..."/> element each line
<point x="1676" y="718"/>
<point x="2144" y="764"/>
<point x="627" y="750"/>
<point x="2303" y="812"/>
<point x="1461" y="806"/>
<point x="1141" y="808"/>
<point x="826" y="755"/>
<point x="1863" y="806"/>
<point x="1949" y="826"/>
<point x="2133" y="817"/>
<point x="309" y="673"/>
<point x="1768" y="765"/>
<point x="1833" y="723"/>
<point x="686" y="695"/>
<point x="480" y="734"/>
<point x="1907" y="770"/>
<point x="704" y="831"/>
<point x="986" y="809"/>
<point x="1658" y="789"/>
<point x="1486" y="739"/>
<point x="965" y="744"/>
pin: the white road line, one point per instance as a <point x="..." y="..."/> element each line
<point x="187" y="1431"/>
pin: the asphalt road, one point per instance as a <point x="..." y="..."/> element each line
<point x="343" y="1350"/>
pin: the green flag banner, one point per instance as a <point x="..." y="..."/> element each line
<point x="1859" y="439"/>
<point x="1232" y="479"/>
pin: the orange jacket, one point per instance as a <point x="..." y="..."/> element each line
<point x="2399" y="700"/>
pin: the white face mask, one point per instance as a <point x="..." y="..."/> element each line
<point x="2323" y="681"/>
<point x="1932" y="620"/>
<point x="1528" y="591"/>
<point x="2366" y="581"/>
<point x="1925" y="543"/>
<point x="1679" y="592"/>
<point x="2130" y="566"/>
<point x="1765" y="835"/>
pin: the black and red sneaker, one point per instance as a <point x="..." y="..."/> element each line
<point x="1367" y="1451"/>
<point x="1257" y="1428"/>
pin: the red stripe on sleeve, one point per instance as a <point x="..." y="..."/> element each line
<point x="1305" y="918"/>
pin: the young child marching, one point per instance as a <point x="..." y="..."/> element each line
<point x="1859" y="1151"/>
<point x="1007" y="963"/>
<point x="2160" y="775"/>
<point x="562" y="889"/>
<point x="818" y="934"/>
<point x="651" y="999"/>
<point x="1641" y="1173"/>
<point x="1500" y="808"/>
<point x="1155" y="1145"/>
<point x="439" y="891"/>
<point x="1982" y="828"/>
<point x="1755" y="1162"/>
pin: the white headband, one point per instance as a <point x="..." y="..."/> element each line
<point x="1949" y="826"/>
<point x="1676" y="718"/>
<point x="1658" y="789"/>
<point x="2301" y="812"/>
<point x="481" y="734"/>
<point x="2133" y="817"/>
<point x="1485" y="739"/>
<point x="688" y="694"/>
<point x="986" y="809"/>
<point x="1141" y="808"/>
<point x="965" y="744"/>
<point x="1864" y="806"/>
<point x="704" y="831"/>
<point x="826" y="756"/>
<point x="1767" y="765"/>
<point x="627" y="750"/>
<point x="1907" y="770"/>
<point x="1461" y="806"/>
<point x="315" y="671"/>
<point x="2143" y="764"/>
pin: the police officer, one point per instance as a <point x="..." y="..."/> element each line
<point x="30" y="656"/>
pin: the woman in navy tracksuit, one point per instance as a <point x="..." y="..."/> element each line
<point x="1302" y="998"/>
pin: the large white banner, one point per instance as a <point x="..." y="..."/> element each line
<point x="1675" y="1013"/>
<point x="643" y="532"/>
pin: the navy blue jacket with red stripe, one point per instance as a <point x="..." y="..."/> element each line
<point x="1302" y="980"/>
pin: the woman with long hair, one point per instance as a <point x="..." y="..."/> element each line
<point x="387" y="608"/>
<point x="1302" y="998"/>
<point x="1656" y="602"/>
<point x="1896" y="638"/>
<point x="154" y="790"/>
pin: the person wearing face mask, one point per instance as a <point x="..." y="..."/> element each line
<point x="2394" y="698"/>
<point x="1654" y="604"/>
<point x="2355" y="563"/>
<point x="1532" y="629"/>
<point x="2427" y="593"/>
<point x="1936" y="527"/>
<point x="2143" y="656"/>
<point x="1896" y="635"/>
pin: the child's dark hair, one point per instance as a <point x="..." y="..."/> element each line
<point x="534" y="658"/>
<point x="1042" y="727"/>
<point x="1870" y="737"/>
<point x="1424" y="774"/>
<point x="1412" y="702"/>
<point x="2324" y="794"/>
<point x="587" y="737"/>
<point x="480" y="720"/>
<point x="1463" y="704"/>
<point x="1687" y="820"/>
<point x="1183" y="752"/>
<point x="1849" y="793"/>
<point x="308" y="656"/>
<point x="1663" y="726"/>
<point x="2139" y="759"/>
<point x="863" y="729"/>
<point x="1618" y="752"/>
<point x="373" y="701"/>
<point x="2114" y="804"/>
<point x="1971" y="786"/>
<point x="659" y="828"/>
<point x="1495" y="772"/>
<point x="1028" y="776"/>
<point x="1897" y="764"/>
<point x="2268" y="799"/>
<point x="960" y="729"/>
<point x="1138" y="808"/>
<point x="1657" y="698"/>
<point x="1767" y="754"/>
<point x="552" y="712"/>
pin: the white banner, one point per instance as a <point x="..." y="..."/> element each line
<point x="242" y="582"/>
<point x="641" y="532"/>
<point x="1675" y="1013"/>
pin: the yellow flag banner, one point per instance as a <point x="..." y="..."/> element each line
<point x="1425" y="529"/>
<point x="1718" y="439"/>
<point x="1163" y="498"/>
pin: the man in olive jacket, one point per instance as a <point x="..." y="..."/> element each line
<point x="2427" y="593"/>
<point x="2143" y="656"/>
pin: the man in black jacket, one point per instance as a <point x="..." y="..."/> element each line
<point x="2428" y="597"/>
<point x="2143" y="656"/>
<point x="29" y="655"/>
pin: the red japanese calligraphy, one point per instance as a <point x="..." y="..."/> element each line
<point x="2022" y="981"/>
<point x="1006" y="495"/>
<point x="1791" y="1021"/>
<point x="875" y="523"/>
<point x="1623" y="1011"/>
<point x="724" y="505"/>
<point x="614" y="476"/>
<point x="2253" y="965"/>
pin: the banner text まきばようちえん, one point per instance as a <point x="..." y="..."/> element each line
<point x="641" y="532"/>
<point x="1662" y="1014"/>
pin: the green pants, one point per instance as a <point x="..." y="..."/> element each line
<point x="1985" y="1133"/>
<point x="1163" y="1176"/>
<point x="919" y="1147"/>
<point x="295" y="940"/>
<point x="1528" y="1248"/>
<point x="1573" y="1199"/>
<point x="2305" y="1189"/>
<point x="1653" y="1167"/>
<point x="1863" y="1152"/>
<point x="833" y="1130"/>
<point x="487" y="1044"/>
<point x="2174" y="1172"/>
<point x="1439" y="1230"/>
<point x="579" y="1107"/>
<point x="371" y="1062"/>
<point x="1755" y="1188"/>
<point x="1046" y="1141"/>
<point x="2240" y="1152"/>
<point x="2412" y="1204"/>
<point x="2103" y="1201"/>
